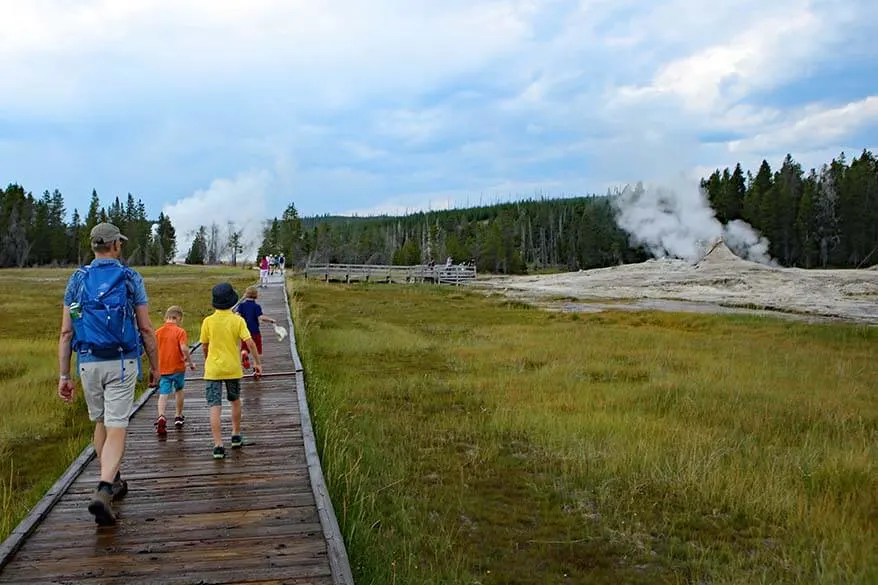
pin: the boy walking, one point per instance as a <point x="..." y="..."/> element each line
<point x="221" y="333"/>
<point x="251" y="311"/>
<point x="173" y="358"/>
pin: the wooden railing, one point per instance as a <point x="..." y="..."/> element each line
<point x="455" y="274"/>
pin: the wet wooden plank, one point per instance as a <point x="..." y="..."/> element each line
<point x="303" y="574"/>
<point x="187" y="526"/>
<point x="187" y="518"/>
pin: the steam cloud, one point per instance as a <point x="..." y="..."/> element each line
<point x="680" y="223"/>
<point x="242" y="201"/>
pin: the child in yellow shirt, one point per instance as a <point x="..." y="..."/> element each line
<point x="221" y="333"/>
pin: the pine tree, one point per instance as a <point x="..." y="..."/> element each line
<point x="166" y="240"/>
<point x="75" y="232"/>
<point x="198" y="249"/>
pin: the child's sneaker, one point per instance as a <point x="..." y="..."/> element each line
<point x="161" y="426"/>
<point x="178" y="421"/>
<point x="237" y="442"/>
<point x="245" y="359"/>
<point x="219" y="452"/>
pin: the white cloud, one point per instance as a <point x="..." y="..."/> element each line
<point x="324" y="52"/>
<point x="393" y="104"/>
<point x="816" y="127"/>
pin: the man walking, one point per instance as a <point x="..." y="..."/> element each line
<point x="105" y="321"/>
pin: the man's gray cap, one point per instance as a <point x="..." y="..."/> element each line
<point x="104" y="233"/>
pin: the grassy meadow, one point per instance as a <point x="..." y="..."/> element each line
<point x="467" y="439"/>
<point x="39" y="434"/>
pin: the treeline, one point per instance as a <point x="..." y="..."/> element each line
<point x="506" y="238"/>
<point x="825" y="218"/>
<point x="34" y="231"/>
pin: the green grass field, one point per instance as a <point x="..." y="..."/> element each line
<point x="467" y="439"/>
<point x="39" y="434"/>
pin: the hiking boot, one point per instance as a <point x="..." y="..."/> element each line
<point x="237" y="442"/>
<point x="219" y="452"/>
<point x="161" y="426"/>
<point x="101" y="508"/>
<point x="120" y="488"/>
<point x="178" y="421"/>
<point x="245" y="359"/>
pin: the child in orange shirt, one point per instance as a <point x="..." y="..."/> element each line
<point x="173" y="350"/>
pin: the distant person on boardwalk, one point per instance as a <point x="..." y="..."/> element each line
<point x="251" y="311"/>
<point x="281" y="263"/>
<point x="221" y="333"/>
<point x="263" y="271"/>
<point x="174" y="355"/>
<point x="105" y="321"/>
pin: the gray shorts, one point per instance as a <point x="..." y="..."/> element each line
<point x="108" y="395"/>
<point x="213" y="390"/>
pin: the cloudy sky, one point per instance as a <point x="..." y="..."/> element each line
<point x="219" y="109"/>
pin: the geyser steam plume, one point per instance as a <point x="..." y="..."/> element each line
<point x="680" y="223"/>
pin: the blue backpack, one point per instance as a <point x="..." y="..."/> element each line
<point x="104" y="323"/>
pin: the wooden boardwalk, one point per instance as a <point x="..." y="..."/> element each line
<point x="262" y="515"/>
<point x="456" y="274"/>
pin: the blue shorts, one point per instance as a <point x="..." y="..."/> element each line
<point x="170" y="383"/>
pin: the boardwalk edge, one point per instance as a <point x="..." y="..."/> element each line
<point x="338" y="558"/>
<point x="38" y="513"/>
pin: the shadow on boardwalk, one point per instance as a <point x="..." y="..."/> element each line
<point x="262" y="515"/>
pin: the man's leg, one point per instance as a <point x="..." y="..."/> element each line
<point x="99" y="437"/>
<point x="111" y="456"/>
<point x="179" y="399"/>
<point x="93" y="380"/>
<point x="119" y="398"/>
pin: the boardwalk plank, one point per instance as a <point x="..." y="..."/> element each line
<point x="251" y="518"/>
<point x="304" y="574"/>
<point x="195" y="528"/>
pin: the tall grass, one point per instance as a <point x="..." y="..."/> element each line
<point x="39" y="434"/>
<point x="467" y="439"/>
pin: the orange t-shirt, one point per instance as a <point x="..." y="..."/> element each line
<point x="170" y="337"/>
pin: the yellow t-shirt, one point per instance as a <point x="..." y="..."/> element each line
<point x="223" y="331"/>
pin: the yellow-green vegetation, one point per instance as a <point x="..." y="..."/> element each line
<point x="39" y="434"/>
<point x="466" y="439"/>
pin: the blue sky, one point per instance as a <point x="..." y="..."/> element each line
<point x="221" y="110"/>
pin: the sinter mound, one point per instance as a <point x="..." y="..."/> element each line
<point x="719" y="255"/>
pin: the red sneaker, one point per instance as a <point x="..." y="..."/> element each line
<point x="161" y="426"/>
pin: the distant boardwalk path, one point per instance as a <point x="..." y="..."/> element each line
<point x="262" y="515"/>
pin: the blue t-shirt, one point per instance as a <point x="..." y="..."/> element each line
<point x="251" y="311"/>
<point x="136" y="293"/>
